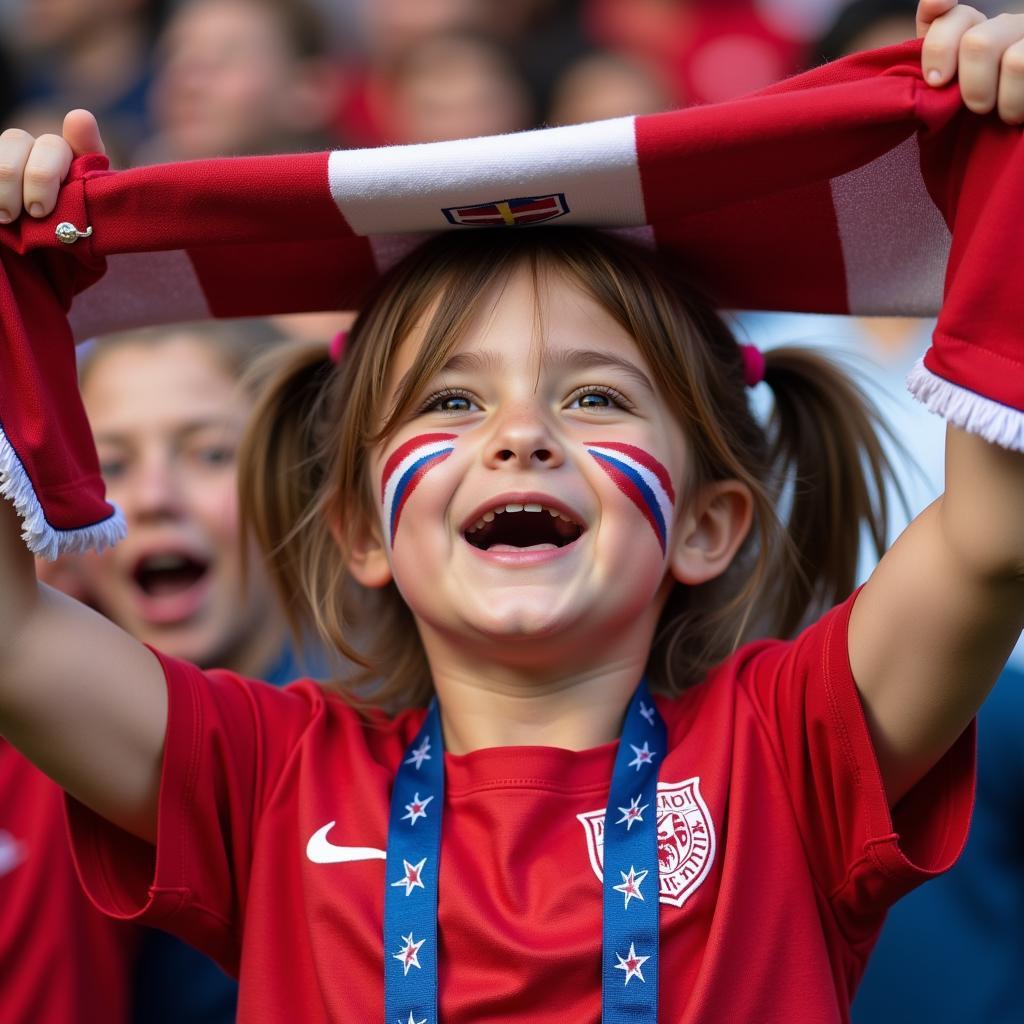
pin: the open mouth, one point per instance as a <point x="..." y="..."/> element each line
<point x="533" y="526"/>
<point x="168" y="573"/>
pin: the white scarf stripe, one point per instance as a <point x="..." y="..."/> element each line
<point x="406" y="188"/>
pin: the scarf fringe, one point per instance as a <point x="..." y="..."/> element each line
<point x="40" y="537"/>
<point x="997" y="423"/>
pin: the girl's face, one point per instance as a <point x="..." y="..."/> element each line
<point x="167" y="418"/>
<point x="549" y="469"/>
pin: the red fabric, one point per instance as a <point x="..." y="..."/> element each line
<point x="742" y="194"/>
<point x="807" y="857"/>
<point x="40" y="412"/>
<point x="977" y="342"/>
<point x="61" y="961"/>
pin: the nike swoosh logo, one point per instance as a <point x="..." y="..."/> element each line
<point x="12" y="852"/>
<point x="320" y="850"/>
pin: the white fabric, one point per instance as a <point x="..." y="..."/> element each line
<point x="405" y="188"/>
<point x="39" y="536"/>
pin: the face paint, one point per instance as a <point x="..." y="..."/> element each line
<point x="405" y="468"/>
<point x="642" y="478"/>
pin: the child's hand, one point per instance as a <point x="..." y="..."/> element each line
<point x="987" y="54"/>
<point x="31" y="170"/>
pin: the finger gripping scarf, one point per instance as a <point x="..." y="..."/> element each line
<point x="854" y="188"/>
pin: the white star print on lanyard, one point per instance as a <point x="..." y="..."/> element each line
<point x="630" y="928"/>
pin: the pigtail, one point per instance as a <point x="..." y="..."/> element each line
<point x="301" y="483"/>
<point x="832" y="477"/>
<point x="279" y="475"/>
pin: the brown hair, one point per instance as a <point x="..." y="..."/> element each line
<point x="235" y="344"/>
<point x="305" y="462"/>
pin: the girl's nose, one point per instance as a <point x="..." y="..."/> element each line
<point x="523" y="440"/>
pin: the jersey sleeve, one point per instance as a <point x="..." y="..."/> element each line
<point x="227" y="741"/>
<point x="863" y="856"/>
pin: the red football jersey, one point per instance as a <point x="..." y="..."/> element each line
<point x="61" y="962"/>
<point x="777" y="851"/>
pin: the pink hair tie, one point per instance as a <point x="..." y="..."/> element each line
<point x="337" y="346"/>
<point x="753" y="365"/>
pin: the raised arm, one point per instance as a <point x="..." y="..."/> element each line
<point x="78" y="696"/>
<point x="935" y="623"/>
<point x="941" y="613"/>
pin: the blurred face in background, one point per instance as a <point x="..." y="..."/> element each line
<point x="455" y="87"/>
<point x="46" y="24"/>
<point x="167" y="417"/>
<point x="232" y="82"/>
<point x="605" y="85"/>
<point x="393" y="26"/>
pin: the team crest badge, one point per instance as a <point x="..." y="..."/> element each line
<point x="686" y="840"/>
<point x="512" y="212"/>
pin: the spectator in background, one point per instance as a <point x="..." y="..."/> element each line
<point x="455" y="86"/>
<point x="238" y="77"/>
<point x="389" y="29"/>
<point x="393" y="27"/>
<point x="533" y="40"/>
<point x="61" y="960"/>
<point x="601" y="85"/>
<point x="167" y="414"/>
<point x="96" y="54"/>
<point x="707" y="50"/>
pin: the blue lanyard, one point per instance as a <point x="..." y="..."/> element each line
<point x="629" y="950"/>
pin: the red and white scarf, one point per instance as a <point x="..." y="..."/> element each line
<point x="854" y="188"/>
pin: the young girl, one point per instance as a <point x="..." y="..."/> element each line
<point x="535" y="480"/>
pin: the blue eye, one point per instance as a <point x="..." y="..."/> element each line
<point x="449" y="401"/>
<point x="598" y="397"/>
<point x="456" y="403"/>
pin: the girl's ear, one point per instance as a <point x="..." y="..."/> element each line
<point x="710" y="531"/>
<point x="362" y="546"/>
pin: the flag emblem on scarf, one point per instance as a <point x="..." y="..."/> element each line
<point x="405" y="468"/>
<point x="525" y="210"/>
<point x="642" y="478"/>
<point x="686" y="840"/>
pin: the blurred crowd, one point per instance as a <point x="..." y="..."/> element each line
<point x="179" y="79"/>
<point x="185" y="79"/>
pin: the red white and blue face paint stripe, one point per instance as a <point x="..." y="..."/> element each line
<point x="642" y="478"/>
<point x="405" y="468"/>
